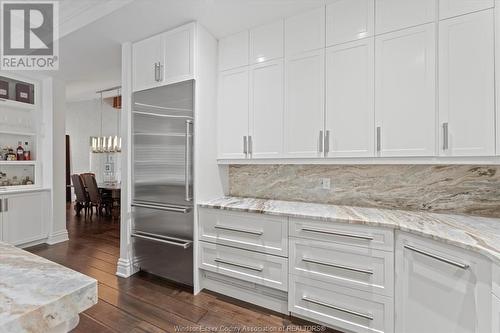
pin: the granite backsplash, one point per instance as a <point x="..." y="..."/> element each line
<point x="465" y="189"/>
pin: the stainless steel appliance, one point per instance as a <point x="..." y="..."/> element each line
<point x="162" y="177"/>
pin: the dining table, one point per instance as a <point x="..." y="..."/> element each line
<point x="115" y="190"/>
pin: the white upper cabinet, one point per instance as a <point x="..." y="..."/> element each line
<point x="266" y="42"/>
<point x="233" y="51"/>
<point x="467" y="85"/>
<point x="349" y="99"/>
<point x="349" y="20"/>
<point x="405" y="85"/>
<point x="233" y="113"/>
<point x="179" y="62"/>
<point x="440" y="288"/>
<point x="305" y="32"/>
<point x="450" y="8"/>
<point x="266" y="109"/>
<point x="164" y="59"/>
<point x="391" y="15"/>
<point x="304" y="104"/>
<point x="147" y="58"/>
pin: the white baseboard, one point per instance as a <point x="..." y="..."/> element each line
<point x="57" y="237"/>
<point x="125" y="269"/>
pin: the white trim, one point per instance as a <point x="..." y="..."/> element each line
<point x="57" y="237"/>
<point x="491" y="160"/>
<point x="125" y="269"/>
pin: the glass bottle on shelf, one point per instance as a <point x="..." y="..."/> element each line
<point x="27" y="152"/>
<point x="20" y="151"/>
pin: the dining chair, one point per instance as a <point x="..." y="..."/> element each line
<point x="95" y="196"/>
<point x="82" y="198"/>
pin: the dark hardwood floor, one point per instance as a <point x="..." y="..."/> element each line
<point x="145" y="303"/>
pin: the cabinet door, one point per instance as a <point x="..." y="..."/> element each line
<point x="391" y="15"/>
<point x="233" y="51"/>
<point x="405" y="101"/>
<point x="266" y="42"/>
<point x="233" y="113"/>
<point x="449" y="287"/>
<point x="266" y="109"/>
<point x="305" y="32"/>
<point x="467" y="85"/>
<point x="24" y="218"/>
<point x="147" y="56"/>
<point x="450" y="8"/>
<point x="349" y="99"/>
<point x="179" y="56"/>
<point x="304" y="105"/>
<point x="349" y="20"/>
<point x="495" y="326"/>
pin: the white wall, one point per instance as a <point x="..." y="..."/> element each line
<point x="83" y="120"/>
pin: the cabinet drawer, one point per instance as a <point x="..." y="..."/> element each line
<point x="340" y="307"/>
<point x="496" y="278"/>
<point x="356" y="267"/>
<point x="256" y="232"/>
<point x="343" y="233"/>
<point x="267" y="270"/>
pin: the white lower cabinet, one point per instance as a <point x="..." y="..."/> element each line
<point x="360" y="268"/>
<point x="353" y="278"/>
<point x="495" y="323"/>
<point x="24" y="217"/>
<point x="267" y="270"/>
<point x="340" y="307"/>
<point x="440" y="288"/>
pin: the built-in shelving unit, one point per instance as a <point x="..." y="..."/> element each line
<point x="19" y="122"/>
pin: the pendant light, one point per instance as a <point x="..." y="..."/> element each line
<point x="108" y="144"/>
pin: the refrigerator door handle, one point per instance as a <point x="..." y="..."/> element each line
<point x="162" y="239"/>
<point x="168" y="208"/>
<point x="187" y="163"/>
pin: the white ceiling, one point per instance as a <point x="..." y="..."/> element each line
<point x="90" y="55"/>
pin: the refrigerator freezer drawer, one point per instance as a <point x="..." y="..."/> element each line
<point x="171" y="221"/>
<point x="173" y="262"/>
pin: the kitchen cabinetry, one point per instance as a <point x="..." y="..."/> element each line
<point x="163" y="59"/>
<point x="467" y="85"/>
<point x="450" y="8"/>
<point x="350" y="99"/>
<point x="495" y="325"/>
<point x="447" y="286"/>
<point x="405" y="102"/>
<point x="304" y="105"/>
<point x="391" y="15"/>
<point x="233" y="51"/>
<point x="266" y="42"/>
<point x="349" y="20"/>
<point x="305" y="32"/>
<point x="266" y="110"/>
<point x="233" y="113"/>
<point x="24" y="217"/>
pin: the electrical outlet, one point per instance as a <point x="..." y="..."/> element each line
<point x="325" y="183"/>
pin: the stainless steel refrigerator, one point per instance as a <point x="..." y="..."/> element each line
<point x="162" y="177"/>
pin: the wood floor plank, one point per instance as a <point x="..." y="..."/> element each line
<point x="88" y="324"/>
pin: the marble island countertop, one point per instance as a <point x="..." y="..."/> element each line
<point x="37" y="295"/>
<point x="478" y="234"/>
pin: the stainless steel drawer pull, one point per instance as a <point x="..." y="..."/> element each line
<point x="245" y="231"/>
<point x="231" y="263"/>
<point x="321" y="142"/>
<point x="445" y="136"/>
<point x="348" y="268"/>
<point x="354" y="313"/>
<point x="167" y="208"/>
<point x="438" y="257"/>
<point x="162" y="239"/>
<point x="335" y="233"/>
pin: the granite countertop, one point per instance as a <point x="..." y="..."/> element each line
<point x="37" y="295"/>
<point x="478" y="234"/>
